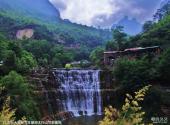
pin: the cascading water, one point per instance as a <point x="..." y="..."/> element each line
<point x="79" y="91"/>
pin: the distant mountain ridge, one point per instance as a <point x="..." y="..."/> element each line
<point x="131" y="26"/>
<point x="41" y="9"/>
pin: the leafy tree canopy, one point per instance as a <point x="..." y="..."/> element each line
<point x="21" y="95"/>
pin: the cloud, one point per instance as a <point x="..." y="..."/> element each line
<point x="104" y="13"/>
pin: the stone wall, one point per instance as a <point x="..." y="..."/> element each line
<point x="107" y="87"/>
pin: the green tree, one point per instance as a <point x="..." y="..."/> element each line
<point x="158" y="35"/>
<point x="9" y="61"/>
<point x="119" y="37"/>
<point x="164" y="66"/>
<point x="21" y="96"/>
<point x="39" y="48"/>
<point x="96" y="56"/>
<point x="111" y="46"/>
<point x="3" y="47"/>
<point x="147" y="26"/>
<point x="25" y="62"/>
<point x="15" y="46"/>
<point x="137" y="71"/>
<point x="56" y="62"/>
<point x="162" y="12"/>
<point x="63" y="57"/>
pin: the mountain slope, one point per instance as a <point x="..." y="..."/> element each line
<point x="46" y="21"/>
<point x="41" y="9"/>
<point x="131" y="26"/>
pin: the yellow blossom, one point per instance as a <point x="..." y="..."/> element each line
<point x="135" y="103"/>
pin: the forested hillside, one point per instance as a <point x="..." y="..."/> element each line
<point x="51" y="34"/>
<point x="47" y="24"/>
<point x="131" y="74"/>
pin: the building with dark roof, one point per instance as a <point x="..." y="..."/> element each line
<point x="130" y="53"/>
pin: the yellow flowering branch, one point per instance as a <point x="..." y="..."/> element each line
<point x="131" y="113"/>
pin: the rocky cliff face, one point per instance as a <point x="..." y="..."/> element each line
<point x="47" y="95"/>
<point x="24" y="33"/>
<point x="39" y="79"/>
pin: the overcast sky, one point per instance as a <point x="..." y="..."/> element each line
<point x="104" y="13"/>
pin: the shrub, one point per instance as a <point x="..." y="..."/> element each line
<point x="131" y="112"/>
<point x="7" y="114"/>
<point x="137" y="71"/>
<point x="68" y="66"/>
<point x="164" y="67"/>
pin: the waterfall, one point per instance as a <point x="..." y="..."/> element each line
<point x="79" y="91"/>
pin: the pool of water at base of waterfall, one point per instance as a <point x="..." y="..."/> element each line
<point x="83" y="120"/>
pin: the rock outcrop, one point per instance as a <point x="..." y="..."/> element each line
<point x="24" y="34"/>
